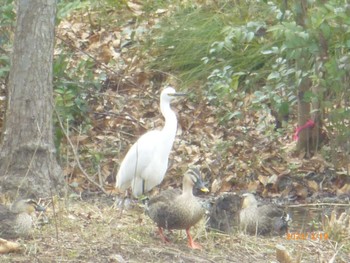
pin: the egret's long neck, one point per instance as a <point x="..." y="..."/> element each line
<point x="170" y="127"/>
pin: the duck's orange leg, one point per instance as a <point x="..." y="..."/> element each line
<point x="162" y="236"/>
<point x="191" y="243"/>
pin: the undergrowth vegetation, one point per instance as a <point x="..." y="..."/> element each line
<point x="184" y="40"/>
<point x="240" y="57"/>
<point x="235" y="50"/>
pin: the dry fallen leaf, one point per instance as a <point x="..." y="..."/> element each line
<point x="8" y="246"/>
<point x="282" y="255"/>
<point x="345" y="190"/>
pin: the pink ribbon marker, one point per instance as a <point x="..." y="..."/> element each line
<point x="308" y="124"/>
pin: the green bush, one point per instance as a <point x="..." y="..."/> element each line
<point x="7" y="22"/>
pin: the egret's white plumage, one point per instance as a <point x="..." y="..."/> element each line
<point x="145" y="164"/>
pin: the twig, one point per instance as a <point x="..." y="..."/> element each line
<point x="332" y="260"/>
<point x="55" y="215"/>
<point x="318" y="204"/>
<point x="76" y="156"/>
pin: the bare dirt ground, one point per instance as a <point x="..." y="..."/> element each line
<point x="95" y="230"/>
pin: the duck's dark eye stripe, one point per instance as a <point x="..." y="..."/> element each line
<point x="193" y="178"/>
<point x="31" y="202"/>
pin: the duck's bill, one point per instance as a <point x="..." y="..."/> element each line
<point x="179" y="94"/>
<point x="204" y="190"/>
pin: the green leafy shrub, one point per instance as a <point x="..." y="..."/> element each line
<point x="7" y="21"/>
<point x="72" y="86"/>
<point x="213" y="46"/>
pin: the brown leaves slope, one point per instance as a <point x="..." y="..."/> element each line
<point x="242" y="154"/>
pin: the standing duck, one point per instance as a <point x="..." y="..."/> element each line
<point x="262" y="220"/>
<point x="17" y="221"/>
<point x="173" y="209"/>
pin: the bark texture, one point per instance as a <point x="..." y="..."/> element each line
<point x="28" y="165"/>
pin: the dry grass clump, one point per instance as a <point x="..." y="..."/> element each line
<point x="338" y="227"/>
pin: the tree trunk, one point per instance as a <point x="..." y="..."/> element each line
<point x="305" y="85"/>
<point x="303" y="116"/>
<point x="308" y="139"/>
<point x="27" y="159"/>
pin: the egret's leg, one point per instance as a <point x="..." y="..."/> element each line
<point x="143" y="187"/>
<point x="122" y="204"/>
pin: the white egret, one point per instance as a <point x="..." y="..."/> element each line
<point x="145" y="164"/>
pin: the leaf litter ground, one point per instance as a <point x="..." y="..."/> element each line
<point x="96" y="231"/>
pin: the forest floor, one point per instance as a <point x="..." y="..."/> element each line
<point x="241" y="154"/>
<point x="96" y="231"/>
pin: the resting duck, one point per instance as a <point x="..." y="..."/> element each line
<point x="224" y="212"/>
<point x="262" y="220"/>
<point x="17" y="221"/>
<point x="173" y="209"/>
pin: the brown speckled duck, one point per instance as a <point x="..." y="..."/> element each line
<point x="224" y="212"/>
<point x="262" y="220"/>
<point x="173" y="209"/>
<point x="17" y="221"/>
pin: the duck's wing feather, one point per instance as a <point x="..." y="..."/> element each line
<point x="163" y="209"/>
<point x="7" y="223"/>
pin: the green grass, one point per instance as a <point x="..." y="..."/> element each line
<point x="194" y="41"/>
<point x="185" y="39"/>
